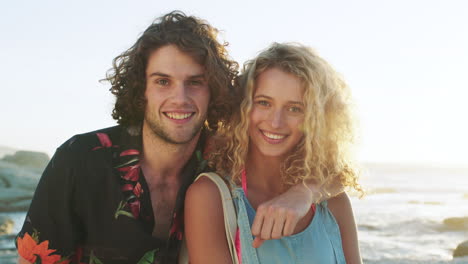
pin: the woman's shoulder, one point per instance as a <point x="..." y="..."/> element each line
<point x="203" y="192"/>
<point x="340" y="206"/>
<point x="203" y="185"/>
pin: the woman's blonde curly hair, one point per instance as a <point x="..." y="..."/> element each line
<point x="323" y="154"/>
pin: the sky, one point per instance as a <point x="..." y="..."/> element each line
<point x="406" y="62"/>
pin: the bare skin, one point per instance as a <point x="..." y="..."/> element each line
<point x="162" y="170"/>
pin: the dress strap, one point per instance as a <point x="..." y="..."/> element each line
<point x="244" y="181"/>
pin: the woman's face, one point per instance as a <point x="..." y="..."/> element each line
<point x="277" y="113"/>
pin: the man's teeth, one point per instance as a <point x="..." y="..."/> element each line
<point x="178" y="115"/>
<point x="273" y="136"/>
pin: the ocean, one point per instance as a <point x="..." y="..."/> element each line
<point x="400" y="220"/>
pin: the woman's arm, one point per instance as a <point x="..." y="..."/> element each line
<point x="340" y="206"/>
<point x="204" y="224"/>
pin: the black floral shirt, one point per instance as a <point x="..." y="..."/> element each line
<point x="92" y="205"/>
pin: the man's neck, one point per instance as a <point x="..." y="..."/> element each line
<point x="162" y="159"/>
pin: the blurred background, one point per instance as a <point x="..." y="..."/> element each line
<point x="405" y="61"/>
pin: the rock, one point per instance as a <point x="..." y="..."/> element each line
<point x="19" y="175"/>
<point x="4" y="150"/>
<point x="461" y="250"/>
<point x="13" y="176"/>
<point x="6" y="225"/>
<point x="8" y="256"/>
<point x="29" y="159"/>
<point x="456" y="223"/>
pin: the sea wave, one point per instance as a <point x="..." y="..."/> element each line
<point x="425" y="202"/>
<point x="368" y="227"/>
<point x="463" y="260"/>
<point x="416" y="226"/>
<point x="381" y="190"/>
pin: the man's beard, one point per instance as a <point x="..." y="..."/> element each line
<point x="158" y="130"/>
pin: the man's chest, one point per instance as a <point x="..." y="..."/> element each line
<point x="163" y="201"/>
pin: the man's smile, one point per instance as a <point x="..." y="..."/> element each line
<point x="179" y="115"/>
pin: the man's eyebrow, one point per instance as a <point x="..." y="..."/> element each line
<point x="270" y="98"/>
<point x="159" y="74"/>
<point x="197" y="76"/>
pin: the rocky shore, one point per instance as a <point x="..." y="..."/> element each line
<point x="19" y="175"/>
<point x="458" y="224"/>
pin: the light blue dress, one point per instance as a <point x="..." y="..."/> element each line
<point x="319" y="243"/>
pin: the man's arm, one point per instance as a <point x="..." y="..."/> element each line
<point x="285" y="210"/>
<point x="50" y="220"/>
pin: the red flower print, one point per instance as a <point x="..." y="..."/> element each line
<point x="175" y="229"/>
<point x="132" y="174"/>
<point x="138" y="190"/>
<point x="30" y="250"/>
<point x="127" y="187"/>
<point x="129" y="152"/>
<point x="104" y="140"/>
<point x="129" y="170"/>
<point x="135" y="208"/>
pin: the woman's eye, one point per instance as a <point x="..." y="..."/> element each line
<point x="264" y="103"/>
<point x="295" y="109"/>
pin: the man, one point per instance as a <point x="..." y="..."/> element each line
<point x="116" y="195"/>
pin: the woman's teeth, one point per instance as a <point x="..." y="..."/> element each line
<point x="273" y="136"/>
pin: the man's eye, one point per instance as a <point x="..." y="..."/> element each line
<point x="195" y="83"/>
<point x="162" y="82"/>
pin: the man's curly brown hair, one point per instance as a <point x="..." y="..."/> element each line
<point x="192" y="36"/>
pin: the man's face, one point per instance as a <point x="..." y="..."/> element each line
<point x="177" y="95"/>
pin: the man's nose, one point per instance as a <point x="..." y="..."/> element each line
<point x="180" y="94"/>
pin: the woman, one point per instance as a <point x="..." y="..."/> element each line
<point x="294" y="120"/>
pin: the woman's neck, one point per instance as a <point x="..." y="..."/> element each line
<point x="263" y="173"/>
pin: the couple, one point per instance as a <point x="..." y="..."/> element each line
<point x="117" y="195"/>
